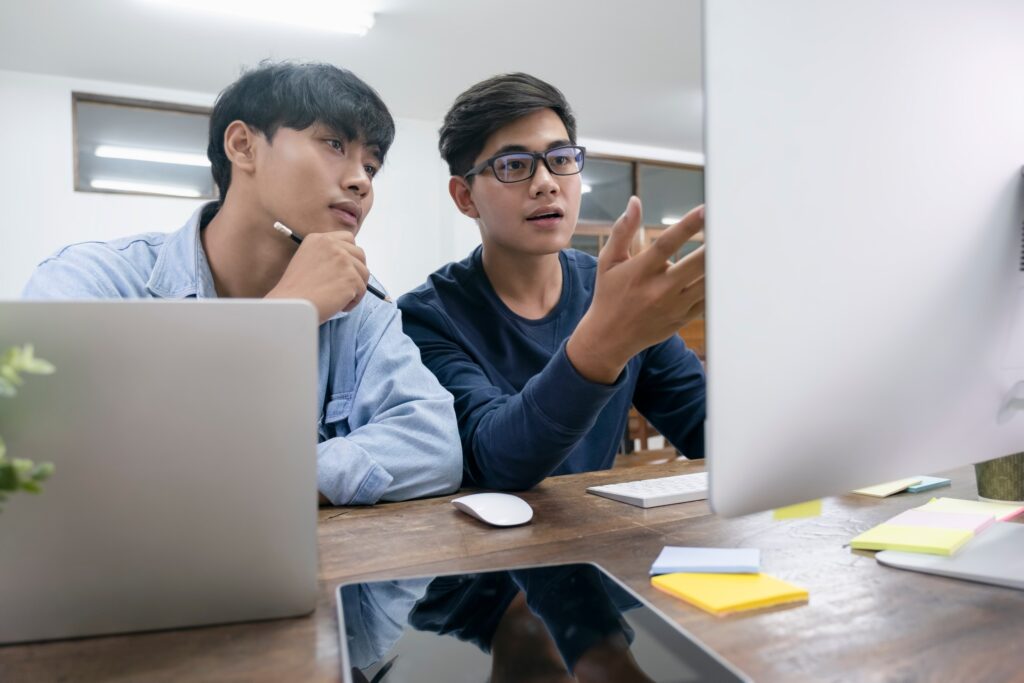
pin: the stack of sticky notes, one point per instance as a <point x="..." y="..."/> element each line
<point x="939" y="527"/>
<point x="911" y="484"/>
<point x="675" y="559"/>
<point x="722" y="594"/>
<point x="720" y="580"/>
<point x="999" y="511"/>
<point x="927" y="484"/>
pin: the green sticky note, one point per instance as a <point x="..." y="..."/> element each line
<point x="912" y="539"/>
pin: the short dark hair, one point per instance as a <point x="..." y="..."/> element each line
<point x="297" y="95"/>
<point x="491" y="105"/>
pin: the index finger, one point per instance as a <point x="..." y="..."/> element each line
<point x="674" y="237"/>
<point x="616" y="249"/>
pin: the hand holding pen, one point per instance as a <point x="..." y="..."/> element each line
<point x="329" y="271"/>
<point x="287" y="232"/>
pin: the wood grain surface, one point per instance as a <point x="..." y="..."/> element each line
<point x="864" y="622"/>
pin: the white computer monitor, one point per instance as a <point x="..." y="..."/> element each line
<point x="865" y="270"/>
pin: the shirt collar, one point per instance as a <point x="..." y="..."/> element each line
<point x="181" y="270"/>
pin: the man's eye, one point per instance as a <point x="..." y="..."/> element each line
<point x="560" y="160"/>
<point x="370" y="170"/>
<point x="515" y="165"/>
<point x="336" y="145"/>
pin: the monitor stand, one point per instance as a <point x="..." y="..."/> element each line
<point x="996" y="556"/>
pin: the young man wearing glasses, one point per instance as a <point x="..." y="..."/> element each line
<point x="544" y="347"/>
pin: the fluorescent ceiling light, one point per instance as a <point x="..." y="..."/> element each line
<point x="129" y="186"/>
<point x="585" y="188"/>
<point x="339" y="16"/>
<point x="671" y="220"/>
<point x="155" y="155"/>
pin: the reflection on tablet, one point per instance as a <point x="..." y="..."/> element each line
<point x="538" y="624"/>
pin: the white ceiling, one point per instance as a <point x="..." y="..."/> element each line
<point x="630" y="69"/>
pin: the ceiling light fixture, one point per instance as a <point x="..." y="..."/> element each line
<point x="146" y="188"/>
<point x="670" y="220"/>
<point x="154" y="155"/>
<point x="339" y="16"/>
<point x="584" y="188"/>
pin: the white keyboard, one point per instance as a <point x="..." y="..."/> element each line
<point x="649" y="493"/>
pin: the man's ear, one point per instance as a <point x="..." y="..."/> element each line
<point x="458" y="188"/>
<point x="240" y="146"/>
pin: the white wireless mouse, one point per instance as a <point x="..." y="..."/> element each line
<point x="497" y="509"/>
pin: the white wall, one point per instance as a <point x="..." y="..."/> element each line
<point x="412" y="230"/>
<point x="40" y="209"/>
<point x="414" y="227"/>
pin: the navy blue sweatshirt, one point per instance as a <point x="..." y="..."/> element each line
<point x="524" y="411"/>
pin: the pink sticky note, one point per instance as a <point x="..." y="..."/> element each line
<point x="943" y="520"/>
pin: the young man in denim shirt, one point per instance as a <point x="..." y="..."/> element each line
<point x="545" y="347"/>
<point x="300" y="144"/>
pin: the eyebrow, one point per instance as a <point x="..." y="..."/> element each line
<point x="321" y="128"/>
<point x="523" y="148"/>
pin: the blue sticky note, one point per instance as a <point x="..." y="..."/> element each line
<point x="927" y="484"/>
<point x="675" y="559"/>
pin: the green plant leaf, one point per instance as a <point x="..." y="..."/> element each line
<point x="42" y="471"/>
<point x="8" y="477"/>
<point x="38" y="366"/>
<point x="11" y="375"/>
<point x="20" y="473"/>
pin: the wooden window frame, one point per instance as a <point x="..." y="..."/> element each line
<point x="648" y="232"/>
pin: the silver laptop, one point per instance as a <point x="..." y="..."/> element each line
<point x="184" y="440"/>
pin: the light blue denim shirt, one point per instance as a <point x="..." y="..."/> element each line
<point x="387" y="427"/>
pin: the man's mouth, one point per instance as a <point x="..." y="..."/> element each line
<point x="347" y="212"/>
<point x="545" y="215"/>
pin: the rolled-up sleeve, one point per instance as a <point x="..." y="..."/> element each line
<point x="402" y="440"/>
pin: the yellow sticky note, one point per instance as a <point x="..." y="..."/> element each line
<point x="888" y="488"/>
<point x="999" y="511"/>
<point x="811" y="508"/>
<point x="912" y="539"/>
<point x="725" y="593"/>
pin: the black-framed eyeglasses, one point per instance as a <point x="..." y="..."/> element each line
<point x="515" y="167"/>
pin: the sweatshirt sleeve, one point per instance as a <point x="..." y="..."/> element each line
<point x="509" y="441"/>
<point x="671" y="393"/>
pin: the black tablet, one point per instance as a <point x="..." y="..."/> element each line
<point x="570" y="622"/>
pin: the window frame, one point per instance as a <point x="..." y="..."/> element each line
<point x="78" y="97"/>
<point x="648" y="232"/>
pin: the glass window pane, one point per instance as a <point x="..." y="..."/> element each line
<point x="611" y="184"/>
<point x="141" y="150"/>
<point x="668" y="193"/>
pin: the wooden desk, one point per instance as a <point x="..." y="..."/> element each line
<point x="863" y="622"/>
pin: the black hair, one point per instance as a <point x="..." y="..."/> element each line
<point x="296" y="95"/>
<point x="491" y="105"/>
